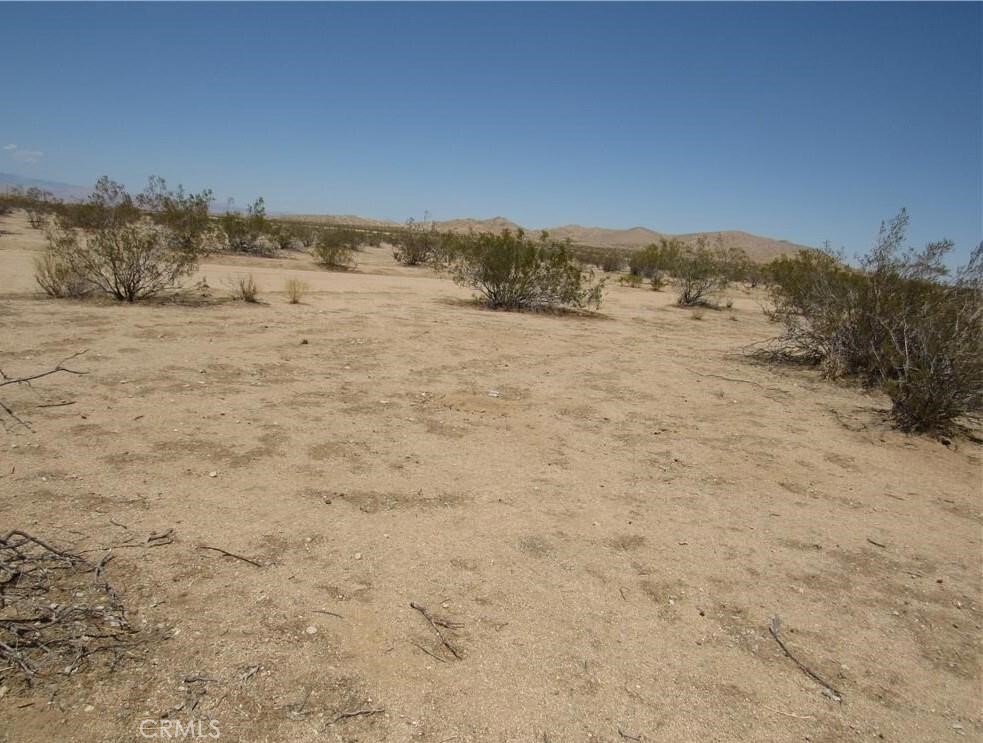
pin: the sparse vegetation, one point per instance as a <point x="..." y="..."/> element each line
<point x="417" y="245"/>
<point x="894" y="321"/>
<point x="512" y="271"/>
<point x="702" y="272"/>
<point x="295" y="289"/>
<point x="246" y="233"/>
<point x="126" y="261"/>
<point x="184" y="215"/>
<point x="632" y="280"/>
<point x="335" y="248"/>
<point x="244" y="288"/>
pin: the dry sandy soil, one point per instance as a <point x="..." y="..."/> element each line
<point x="607" y="511"/>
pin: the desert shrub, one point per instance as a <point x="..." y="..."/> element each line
<point x="657" y="282"/>
<point x="417" y="245"/>
<point x="633" y="280"/>
<point x="184" y="215"/>
<point x="335" y="248"/>
<point x="245" y="233"/>
<point x="244" y="288"/>
<point x="295" y="289"/>
<point x="58" y="278"/>
<point x="512" y="271"/>
<point x="109" y="206"/>
<point x="659" y="258"/>
<point x="283" y="236"/>
<point x="609" y="260"/>
<point x="894" y="321"/>
<point x="126" y="261"/>
<point x="702" y="271"/>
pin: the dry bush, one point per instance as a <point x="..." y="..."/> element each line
<point x="126" y="261"/>
<point x="295" y="289"/>
<point x="895" y="322"/>
<point x="632" y="280"/>
<point x="244" y="288"/>
<point x="59" y="279"/>
<point x="58" y="614"/>
<point x="512" y="271"/>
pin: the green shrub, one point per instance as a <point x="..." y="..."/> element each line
<point x="417" y="245"/>
<point x="185" y="216"/>
<point x="245" y="233"/>
<point x="701" y="272"/>
<point x="512" y="271"/>
<point x="335" y="248"/>
<point x="658" y="258"/>
<point x="894" y="321"/>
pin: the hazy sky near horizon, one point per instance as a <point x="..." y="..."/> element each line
<point x="809" y="122"/>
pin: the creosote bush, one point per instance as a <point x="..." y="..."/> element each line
<point x="897" y="321"/>
<point x="246" y="233"/>
<point x="126" y="261"/>
<point x="58" y="279"/>
<point x="512" y="271"/>
<point x="335" y="248"/>
<point x="418" y="245"/>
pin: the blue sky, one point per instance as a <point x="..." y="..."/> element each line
<point x="809" y="122"/>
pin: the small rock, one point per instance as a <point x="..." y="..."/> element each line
<point x="358" y="555"/>
<point x="88" y="708"/>
<point x="213" y="473"/>
<point x="311" y="630"/>
<point x="303" y="341"/>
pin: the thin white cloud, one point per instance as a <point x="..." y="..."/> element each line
<point x="27" y="156"/>
<point x="23" y="156"/>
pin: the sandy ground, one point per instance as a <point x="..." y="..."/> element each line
<point x="607" y="511"/>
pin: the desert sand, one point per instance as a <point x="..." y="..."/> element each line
<point x="602" y="514"/>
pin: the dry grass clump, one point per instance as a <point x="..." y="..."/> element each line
<point x="295" y="289"/>
<point x="244" y="288"/>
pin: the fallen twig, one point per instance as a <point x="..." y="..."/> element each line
<point x="432" y="655"/>
<point x="357" y="713"/>
<point x="436" y="628"/>
<point x="229" y="554"/>
<point x="775" y="628"/>
<point x="5" y="380"/>
<point x="876" y="544"/>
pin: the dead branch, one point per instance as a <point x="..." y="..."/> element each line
<point x="229" y="554"/>
<point x="59" y="367"/>
<point x="436" y="628"/>
<point x="775" y="628"/>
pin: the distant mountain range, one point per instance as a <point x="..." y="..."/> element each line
<point x="759" y="248"/>
<point x="63" y="191"/>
